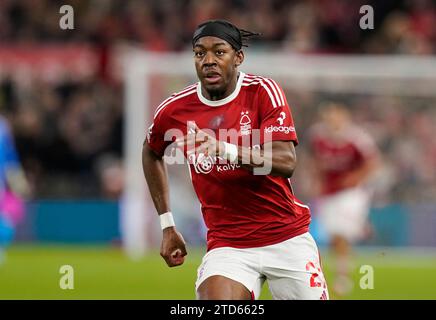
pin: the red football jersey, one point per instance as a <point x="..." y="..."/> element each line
<point x="240" y="209"/>
<point x="337" y="156"/>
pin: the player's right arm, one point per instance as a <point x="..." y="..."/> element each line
<point x="173" y="248"/>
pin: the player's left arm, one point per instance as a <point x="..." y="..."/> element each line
<point x="362" y="173"/>
<point x="278" y="136"/>
<point x="279" y="156"/>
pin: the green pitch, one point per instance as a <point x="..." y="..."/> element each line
<point x="33" y="272"/>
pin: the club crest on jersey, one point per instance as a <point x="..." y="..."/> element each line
<point x="245" y="124"/>
<point x="202" y="164"/>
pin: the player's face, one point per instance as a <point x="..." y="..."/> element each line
<point x="216" y="62"/>
<point x="335" y="116"/>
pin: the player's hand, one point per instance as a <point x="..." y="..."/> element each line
<point x="173" y="248"/>
<point x="200" y="142"/>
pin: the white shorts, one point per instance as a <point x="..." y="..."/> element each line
<point x="345" y="213"/>
<point x="292" y="268"/>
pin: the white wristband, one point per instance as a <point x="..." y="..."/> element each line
<point x="230" y="152"/>
<point x="166" y="220"/>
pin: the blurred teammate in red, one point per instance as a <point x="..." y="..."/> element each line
<point x="344" y="157"/>
<point x="237" y="132"/>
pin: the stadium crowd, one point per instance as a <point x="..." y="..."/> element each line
<point x="406" y="26"/>
<point x="69" y="131"/>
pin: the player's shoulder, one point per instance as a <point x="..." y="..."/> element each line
<point x="357" y="133"/>
<point x="359" y="137"/>
<point x="265" y="86"/>
<point x="257" y="81"/>
<point x="176" y="99"/>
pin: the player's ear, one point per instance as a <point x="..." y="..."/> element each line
<point x="239" y="58"/>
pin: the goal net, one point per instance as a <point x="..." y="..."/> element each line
<point x="394" y="97"/>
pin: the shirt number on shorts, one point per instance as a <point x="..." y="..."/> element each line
<point x="315" y="278"/>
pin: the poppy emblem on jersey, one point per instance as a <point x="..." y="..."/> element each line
<point x="245" y="124"/>
<point x="216" y="122"/>
<point x="202" y="164"/>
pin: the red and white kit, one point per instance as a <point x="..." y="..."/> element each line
<point x="241" y="210"/>
<point x="342" y="211"/>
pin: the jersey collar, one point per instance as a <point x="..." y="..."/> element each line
<point x="227" y="99"/>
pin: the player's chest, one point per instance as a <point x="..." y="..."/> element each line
<point x="334" y="155"/>
<point x="238" y="117"/>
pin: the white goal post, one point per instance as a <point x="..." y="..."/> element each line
<point x="394" y="75"/>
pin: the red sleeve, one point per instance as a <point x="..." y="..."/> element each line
<point x="276" y="118"/>
<point x="156" y="133"/>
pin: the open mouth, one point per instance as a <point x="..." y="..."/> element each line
<point x="212" y="77"/>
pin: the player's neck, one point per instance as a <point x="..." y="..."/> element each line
<point x="219" y="95"/>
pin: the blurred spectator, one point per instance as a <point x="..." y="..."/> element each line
<point x="61" y="130"/>
<point x="111" y="176"/>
